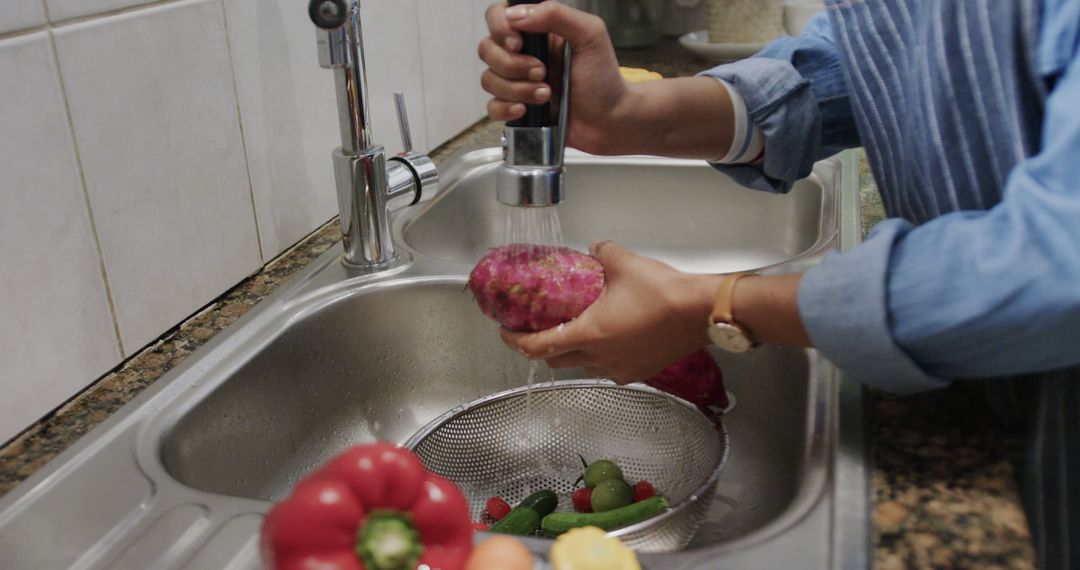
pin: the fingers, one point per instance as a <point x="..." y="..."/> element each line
<point x="610" y="255"/>
<point x="500" y="29"/>
<point x="512" y="78"/>
<point x="544" y="344"/>
<point x="515" y="91"/>
<point x="579" y="28"/>
<point x="500" y="110"/>
<point x="508" y="64"/>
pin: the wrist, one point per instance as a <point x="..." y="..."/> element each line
<point x="695" y="298"/>
<point x="768" y="308"/>
<point x="623" y="128"/>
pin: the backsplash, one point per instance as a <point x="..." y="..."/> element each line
<point x="153" y="154"/>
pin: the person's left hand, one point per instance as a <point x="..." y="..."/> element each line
<point x="648" y="316"/>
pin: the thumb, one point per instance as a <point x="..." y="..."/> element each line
<point x="579" y="28"/>
<point x="611" y="255"/>
<point x="544" y="344"/>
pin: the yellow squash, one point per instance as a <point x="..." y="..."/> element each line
<point x="590" y="548"/>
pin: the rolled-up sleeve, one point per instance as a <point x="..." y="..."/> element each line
<point x="795" y="92"/>
<point x="969" y="294"/>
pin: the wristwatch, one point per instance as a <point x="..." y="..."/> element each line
<point x="724" y="330"/>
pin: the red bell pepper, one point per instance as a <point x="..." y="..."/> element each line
<point x="372" y="507"/>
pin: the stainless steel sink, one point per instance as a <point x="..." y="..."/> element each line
<point x="326" y="382"/>
<point x="181" y="476"/>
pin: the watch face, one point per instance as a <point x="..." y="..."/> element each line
<point x="728" y="337"/>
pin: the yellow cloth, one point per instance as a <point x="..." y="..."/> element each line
<point x="638" y="75"/>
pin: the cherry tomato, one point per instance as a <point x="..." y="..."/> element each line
<point x="643" y="490"/>
<point x="583" y="500"/>
<point x="497" y="508"/>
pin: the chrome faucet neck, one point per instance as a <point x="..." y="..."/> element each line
<point x="369" y="185"/>
<point x="341" y="48"/>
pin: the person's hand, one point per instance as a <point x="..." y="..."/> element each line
<point x="597" y="90"/>
<point x="648" y="316"/>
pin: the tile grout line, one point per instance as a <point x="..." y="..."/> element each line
<point x="243" y="137"/>
<point x="113" y="12"/>
<point x="49" y="24"/>
<point x="86" y="196"/>
<point x="44" y="26"/>
<point x="23" y="32"/>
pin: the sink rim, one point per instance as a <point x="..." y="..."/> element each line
<point x="467" y="161"/>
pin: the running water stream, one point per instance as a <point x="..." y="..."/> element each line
<point x="534" y="229"/>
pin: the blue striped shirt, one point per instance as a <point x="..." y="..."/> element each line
<point x="969" y="111"/>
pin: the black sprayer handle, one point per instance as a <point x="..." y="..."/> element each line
<point x="535" y="45"/>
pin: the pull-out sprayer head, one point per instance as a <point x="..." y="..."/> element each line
<point x="533" y="149"/>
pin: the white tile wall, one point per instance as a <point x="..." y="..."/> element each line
<point x="66" y="9"/>
<point x="20" y="14"/>
<point x="452" y="93"/>
<point x="480" y="31"/>
<point x="392" y="40"/>
<point x="289" y="115"/>
<point x="155" y="119"/>
<point x="202" y="127"/>
<point x="56" y="333"/>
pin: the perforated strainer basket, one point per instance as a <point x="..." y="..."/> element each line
<point x="514" y="443"/>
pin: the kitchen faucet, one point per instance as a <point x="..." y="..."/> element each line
<point x="369" y="185"/>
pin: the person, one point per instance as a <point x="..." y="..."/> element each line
<point x="969" y="111"/>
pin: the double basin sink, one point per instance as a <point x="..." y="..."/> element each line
<point x="182" y="475"/>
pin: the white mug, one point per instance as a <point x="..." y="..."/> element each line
<point x="797" y="14"/>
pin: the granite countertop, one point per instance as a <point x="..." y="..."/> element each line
<point x="945" y="495"/>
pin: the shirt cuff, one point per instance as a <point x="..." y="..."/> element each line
<point x="783" y="106"/>
<point x="844" y="307"/>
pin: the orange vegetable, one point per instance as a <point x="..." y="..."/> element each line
<point x="500" y="553"/>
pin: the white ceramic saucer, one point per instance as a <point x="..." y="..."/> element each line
<point x="698" y="43"/>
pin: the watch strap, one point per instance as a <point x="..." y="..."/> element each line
<point x="722" y="306"/>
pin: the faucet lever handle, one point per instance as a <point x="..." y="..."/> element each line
<point x="403" y="122"/>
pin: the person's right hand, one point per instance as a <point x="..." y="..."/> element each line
<point x="597" y="90"/>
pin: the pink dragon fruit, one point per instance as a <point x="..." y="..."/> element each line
<point x="534" y="288"/>
<point x="695" y="378"/>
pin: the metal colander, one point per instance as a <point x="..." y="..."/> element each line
<point x="514" y="443"/>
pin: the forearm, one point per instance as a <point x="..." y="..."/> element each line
<point x="688" y="117"/>
<point x="769" y="308"/>
<point x="765" y="305"/>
